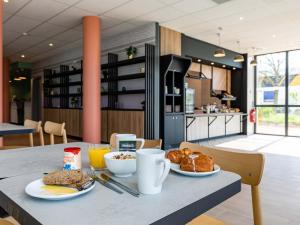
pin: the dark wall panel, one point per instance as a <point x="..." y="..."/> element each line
<point x="200" y="49"/>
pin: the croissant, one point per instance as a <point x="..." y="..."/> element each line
<point x="197" y="163"/>
<point x="176" y="156"/>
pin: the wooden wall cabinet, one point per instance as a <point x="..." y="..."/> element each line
<point x="130" y="122"/>
<point x="219" y="79"/>
<point x="112" y="121"/>
<point x="170" y="41"/>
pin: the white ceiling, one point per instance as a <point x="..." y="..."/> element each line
<point x="269" y="25"/>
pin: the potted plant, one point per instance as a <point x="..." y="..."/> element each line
<point x="74" y="102"/>
<point x="131" y="51"/>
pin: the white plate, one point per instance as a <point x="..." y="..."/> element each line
<point x="176" y="168"/>
<point x="35" y="189"/>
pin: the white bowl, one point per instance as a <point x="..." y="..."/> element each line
<point x="119" y="167"/>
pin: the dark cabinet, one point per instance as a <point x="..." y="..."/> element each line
<point x="174" y="130"/>
<point x="173" y="69"/>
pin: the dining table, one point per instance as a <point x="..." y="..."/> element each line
<point x="8" y="129"/>
<point x="182" y="198"/>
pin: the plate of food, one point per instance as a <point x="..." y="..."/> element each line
<point x="192" y="163"/>
<point x="60" y="185"/>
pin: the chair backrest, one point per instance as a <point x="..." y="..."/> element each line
<point x="156" y="143"/>
<point x="56" y="129"/>
<point x="112" y="140"/>
<point x="37" y="125"/>
<point x="248" y="165"/>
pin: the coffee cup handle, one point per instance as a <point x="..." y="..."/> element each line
<point x="142" y="140"/>
<point x="167" y="166"/>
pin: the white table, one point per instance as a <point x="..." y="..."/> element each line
<point x="182" y="199"/>
<point x="8" y="129"/>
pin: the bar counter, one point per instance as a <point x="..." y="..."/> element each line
<point x="201" y="126"/>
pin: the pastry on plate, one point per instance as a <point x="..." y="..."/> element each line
<point x="197" y="163"/>
<point x="175" y="156"/>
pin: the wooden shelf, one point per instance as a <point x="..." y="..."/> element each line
<point x="124" y="77"/>
<point x="75" y="83"/>
<point x="128" y="92"/>
<point x="173" y="95"/>
<point x="126" y="62"/>
<point x="66" y="73"/>
<point x="63" y="95"/>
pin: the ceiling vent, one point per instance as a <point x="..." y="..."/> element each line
<point x="220" y="1"/>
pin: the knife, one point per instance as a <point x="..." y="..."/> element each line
<point x="122" y="186"/>
<point x="106" y="184"/>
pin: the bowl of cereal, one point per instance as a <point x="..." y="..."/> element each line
<point x="121" y="164"/>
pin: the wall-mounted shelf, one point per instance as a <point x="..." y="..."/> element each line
<point x="128" y="92"/>
<point x="124" y="77"/>
<point x="125" y="62"/>
<point x="173" y="95"/>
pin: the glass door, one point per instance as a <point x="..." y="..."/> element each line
<point x="270" y="97"/>
<point x="277" y="93"/>
<point x="294" y="93"/>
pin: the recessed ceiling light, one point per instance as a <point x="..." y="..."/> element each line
<point x="25" y="33"/>
<point x="22" y="78"/>
<point x="274" y="36"/>
<point x="234" y="68"/>
<point x="223" y="66"/>
<point x="17" y="79"/>
<point x="51" y="44"/>
<point x="212" y="63"/>
<point x="6" y="1"/>
<point x="241" y="18"/>
<point x="9" y="81"/>
<point x="199" y="60"/>
<point x="22" y="56"/>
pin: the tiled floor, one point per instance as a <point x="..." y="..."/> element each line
<point x="280" y="187"/>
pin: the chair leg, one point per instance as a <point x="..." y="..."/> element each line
<point x="51" y="139"/>
<point x="65" y="140"/>
<point x="42" y="142"/>
<point x="257" y="215"/>
<point x="30" y="139"/>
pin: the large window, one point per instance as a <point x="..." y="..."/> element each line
<point x="277" y="93"/>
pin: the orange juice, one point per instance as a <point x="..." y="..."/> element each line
<point x="96" y="157"/>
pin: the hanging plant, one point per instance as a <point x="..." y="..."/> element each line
<point x="131" y="51"/>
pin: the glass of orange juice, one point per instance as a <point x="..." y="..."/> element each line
<point x="96" y="156"/>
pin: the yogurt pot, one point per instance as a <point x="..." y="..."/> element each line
<point x="72" y="158"/>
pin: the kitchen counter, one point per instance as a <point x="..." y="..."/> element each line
<point x="215" y="114"/>
<point x="201" y="126"/>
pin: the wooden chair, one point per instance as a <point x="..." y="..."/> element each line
<point x="56" y="129"/>
<point x="8" y="221"/>
<point x="249" y="166"/>
<point x="148" y="143"/>
<point x="156" y="143"/>
<point x="112" y="140"/>
<point x="38" y="129"/>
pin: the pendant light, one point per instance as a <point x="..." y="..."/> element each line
<point x="219" y="52"/>
<point x="238" y="57"/>
<point x="253" y="61"/>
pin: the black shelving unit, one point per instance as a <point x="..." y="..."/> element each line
<point x="61" y="81"/>
<point x="173" y="69"/>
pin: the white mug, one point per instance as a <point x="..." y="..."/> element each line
<point x="128" y="142"/>
<point x="152" y="170"/>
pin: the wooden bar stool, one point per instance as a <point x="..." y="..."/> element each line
<point x="249" y="166"/>
<point x="37" y="126"/>
<point x="56" y="129"/>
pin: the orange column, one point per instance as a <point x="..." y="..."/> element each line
<point x="91" y="79"/>
<point x="1" y="66"/>
<point x="6" y="91"/>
